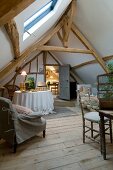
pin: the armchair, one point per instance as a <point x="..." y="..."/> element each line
<point x="16" y="128"/>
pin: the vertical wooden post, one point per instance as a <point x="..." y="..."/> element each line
<point x="44" y="64"/>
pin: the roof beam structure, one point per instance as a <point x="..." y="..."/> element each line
<point x="64" y="35"/>
<point x="80" y="36"/>
<point x="68" y="22"/>
<point x="63" y="49"/>
<point x="12" y="31"/>
<point x="34" y="47"/>
<point x="92" y="62"/>
<point x="10" y="8"/>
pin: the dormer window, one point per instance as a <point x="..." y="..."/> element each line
<point x="36" y="20"/>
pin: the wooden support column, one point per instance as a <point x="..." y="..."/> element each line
<point x="12" y="31"/>
<point x="44" y="64"/>
<point x="68" y="23"/>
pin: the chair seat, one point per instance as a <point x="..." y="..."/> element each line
<point x="94" y="117"/>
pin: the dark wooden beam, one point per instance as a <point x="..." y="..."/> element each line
<point x="10" y="8"/>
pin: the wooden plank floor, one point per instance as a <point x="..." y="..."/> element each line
<point x="62" y="149"/>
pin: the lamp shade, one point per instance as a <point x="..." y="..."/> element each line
<point x="23" y="73"/>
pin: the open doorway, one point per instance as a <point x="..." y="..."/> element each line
<point x="52" y="79"/>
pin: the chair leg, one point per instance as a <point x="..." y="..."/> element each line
<point x="100" y="138"/>
<point x="110" y="128"/>
<point x="44" y="134"/>
<point x="14" y="145"/>
<point x="83" y="131"/>
<point x="92" y="129"/>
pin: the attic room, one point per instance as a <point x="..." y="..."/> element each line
<point x="56" y="84"/>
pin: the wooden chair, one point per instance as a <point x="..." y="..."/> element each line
<point x="11" y="89"/>
<point x="91" y="118"/>
<point x="54" y="88"/>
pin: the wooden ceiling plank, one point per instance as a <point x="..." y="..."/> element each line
<point x="89" y="46"/>
<point x="10" y="8"/>
<point x="12" y="31"/>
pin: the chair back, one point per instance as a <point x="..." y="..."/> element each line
<point x="81" y="104"/>
<point x="7" y="131"/>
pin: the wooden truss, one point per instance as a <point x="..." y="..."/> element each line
<point x="63" y="28"/>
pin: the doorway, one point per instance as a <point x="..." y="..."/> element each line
<point x="52" y="79"/>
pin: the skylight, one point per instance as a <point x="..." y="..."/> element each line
<point x="40" y="17"/>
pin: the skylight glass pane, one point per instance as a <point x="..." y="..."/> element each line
<point x="25" y="36"/>
<point x="38" y="24"/>
<point x="37" y="14"/>
<point x="39" y="18"/>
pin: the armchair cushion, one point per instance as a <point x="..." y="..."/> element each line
<point x="22" y="109"/>
<point x="21" y="126"/>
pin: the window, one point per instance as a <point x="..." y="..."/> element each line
<point x="30" y="25"/>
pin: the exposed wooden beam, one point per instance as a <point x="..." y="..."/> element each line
<point x="14" y="37"/>
<point x="68" y="23"/>
<point x="84" y="64"/>
<point x="75" y="76"/>
<point x="11" y="66"/>
<point x="60" y="37"/>
<point x="108" y="57"/>
<point x="92" y="62"/>
<point x="44" y="63"/>
<point x="10" y="8"/>
<point x="63" y="49"/>
<point x="21" y="68"/>
<point x="54" y="57"/>
<point x="89" y="46"/>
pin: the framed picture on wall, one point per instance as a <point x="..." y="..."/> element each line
<point x="30" y="81"/>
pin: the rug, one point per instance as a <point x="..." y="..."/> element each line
<point x="62" y="112"/>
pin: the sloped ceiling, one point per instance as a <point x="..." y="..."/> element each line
<point x="94" y="19"/>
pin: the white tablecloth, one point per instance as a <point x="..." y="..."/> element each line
<point x="41" y="101"/>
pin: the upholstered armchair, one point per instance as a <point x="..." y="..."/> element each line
<point x="17" y="127"/>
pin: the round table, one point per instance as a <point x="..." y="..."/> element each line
<point x="41" y="101"/>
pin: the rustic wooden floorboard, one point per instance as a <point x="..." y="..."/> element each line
<point x="61" y="149"/>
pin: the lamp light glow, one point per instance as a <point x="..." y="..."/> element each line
<point x="23" y="73"/>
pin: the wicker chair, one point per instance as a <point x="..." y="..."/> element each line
<point x="91" y="118"/>
<point x="16" y="128"/>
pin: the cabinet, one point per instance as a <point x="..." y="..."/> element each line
<point x="105" y="91"/>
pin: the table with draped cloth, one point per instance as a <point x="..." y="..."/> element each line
<point x="40" y="101"/>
